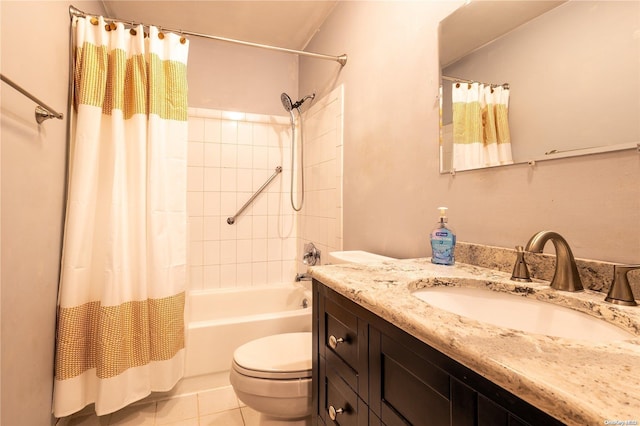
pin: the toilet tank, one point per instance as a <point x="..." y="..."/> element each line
<point x="355" y="256"/>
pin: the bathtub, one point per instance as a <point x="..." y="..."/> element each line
<point x="220" y="320"/>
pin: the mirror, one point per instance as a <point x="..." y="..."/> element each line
<point x="572" y="67"/>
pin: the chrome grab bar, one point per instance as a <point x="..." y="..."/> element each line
<point x="231" y="220"/>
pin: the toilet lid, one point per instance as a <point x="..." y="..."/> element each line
<point x="281" y="356"/>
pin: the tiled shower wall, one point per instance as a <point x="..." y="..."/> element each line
<point x="231" y="155"/>
<point x="320" y="220"/>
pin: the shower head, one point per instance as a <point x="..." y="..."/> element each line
<point x="286" y="102"/>
<point x="288" y="105"/>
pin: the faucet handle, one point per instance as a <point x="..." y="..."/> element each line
<point x="620" y="292"/>
<point x="520" y="270"/>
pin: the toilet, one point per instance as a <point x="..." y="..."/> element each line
<point x="272" y="374"/>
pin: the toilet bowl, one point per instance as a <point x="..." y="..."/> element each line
<point x="272" y="375"/>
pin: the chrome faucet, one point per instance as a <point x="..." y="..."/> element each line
<point x="620" y="292"/>
<point x="302" y="277"/>
<point x="566" y="275"/>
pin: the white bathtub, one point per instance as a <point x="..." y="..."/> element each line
<point x="221" y="320"/>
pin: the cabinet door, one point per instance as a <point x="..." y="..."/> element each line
<point x="406" y="388"/>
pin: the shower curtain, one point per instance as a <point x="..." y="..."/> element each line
<point x="120" y="331"/>
<point x="481" y="135"/>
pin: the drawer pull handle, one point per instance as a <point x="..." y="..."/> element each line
<point x="333" y="341"/>
<point x="333" y="413"/>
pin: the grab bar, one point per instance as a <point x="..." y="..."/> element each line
<point x="231" y="220"/>
<point x="43" y="112"/>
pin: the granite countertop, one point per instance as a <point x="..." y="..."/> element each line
<point x="579" y="382"/>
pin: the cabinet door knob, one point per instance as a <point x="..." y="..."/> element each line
<point x="333" y="413"/>
<point x="333" y="341"/>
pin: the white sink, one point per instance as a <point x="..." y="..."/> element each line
<point x="521" y="313"/>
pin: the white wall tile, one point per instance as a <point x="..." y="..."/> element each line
<point x="195" y="203"/>
<point x="227" y="252"/>
<point x="212" y="131"/>
<point x="211" y="277"/>
<point x="195" y="178"/>
<point x="245" y="133"/>
<point x="229" y="155"/>
<point x="259" y="250"/>
<point x="211" y="203"/>
<point x="260" y="224"/>
<point x="212" y="154"/>
<point x="228" y="275"/>
<point x="244" y="274"/>
<point x="245" y="156"/>
<point x="213" y="252"/>
<point x="259" y="273"/>
<point x="228" y="179"/>
<point x="244" y="251"/>
<point x="196" y="230"/>
<point x="195" y="154"/>
<point x="229" y="132"/>
<point x="274" y="272"/>
<point x="211" y="228"/>
<point x="212" y="179"/>
<point x="196" y="129"/>
<point x="229" y="160"/>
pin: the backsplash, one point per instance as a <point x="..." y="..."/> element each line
<point x="595" y="275"/>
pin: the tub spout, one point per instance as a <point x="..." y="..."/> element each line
<point x="566" y="276"/>
<point x="302" y="277"/>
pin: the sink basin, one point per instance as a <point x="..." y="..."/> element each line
<point x="521" y="313"/>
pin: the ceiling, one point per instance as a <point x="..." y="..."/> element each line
<point x="289" y="24"/>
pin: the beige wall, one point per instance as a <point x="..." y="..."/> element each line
<point x="392" y="186"/>
<point x="34" y="55"/>
<point x="230" y="77"/>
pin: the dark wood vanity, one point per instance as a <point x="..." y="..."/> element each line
<point x="367" y="371"/>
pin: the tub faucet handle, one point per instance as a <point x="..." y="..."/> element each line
<point x="620" y="291"/>
<point x="311" y="254"/>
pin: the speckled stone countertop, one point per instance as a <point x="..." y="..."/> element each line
<point x="579" y="382"/>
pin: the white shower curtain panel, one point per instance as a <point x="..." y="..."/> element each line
<point x="120" y="332"/>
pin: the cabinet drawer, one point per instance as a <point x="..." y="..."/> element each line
<point x="342" y="407"/>
<point x="341" y="334"/>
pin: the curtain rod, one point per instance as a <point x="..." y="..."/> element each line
<point x="43" y="111"/>
<point x="462" y="80"/>
<point x="342" y="59"/>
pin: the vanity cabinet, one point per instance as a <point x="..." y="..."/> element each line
<point x="366" y="371"/>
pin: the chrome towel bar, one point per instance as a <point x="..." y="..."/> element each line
<point x="231" y="220"/>
<point x="43" y="112"/>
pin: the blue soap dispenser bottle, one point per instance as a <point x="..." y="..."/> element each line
<point x="443" y="241"/>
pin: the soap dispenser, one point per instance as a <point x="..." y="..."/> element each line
<point x="443" y="241"/>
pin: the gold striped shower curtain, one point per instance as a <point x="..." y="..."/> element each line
<point x="481" y="135"/>
<point x="120" y="330"/>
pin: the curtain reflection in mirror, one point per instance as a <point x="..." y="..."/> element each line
<point x="481" y="136"/>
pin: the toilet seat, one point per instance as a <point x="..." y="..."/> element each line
<point x="280" y="356"/>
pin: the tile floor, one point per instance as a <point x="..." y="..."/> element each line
<point x="217" y="407"/>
